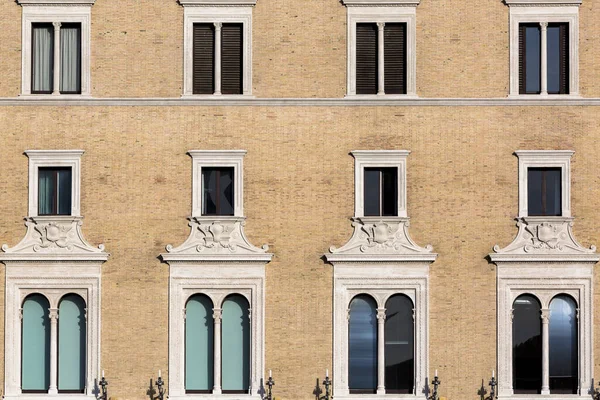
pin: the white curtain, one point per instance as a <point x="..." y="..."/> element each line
<point x="70" y="59"/>
<point x="43" y="48"/>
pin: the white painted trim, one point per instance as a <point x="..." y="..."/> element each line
<point x="542" y="3"/>
<point x="226" y="3"/>
<point x="365" y="14"/>
<point x="55" y="158"/>
<point x="548" y="14"/>
<point x="547" y="159"/>
<point x="379" y="158"/>
<point x="218" y="158"/>
<point x="238" y="14"/>
<point x="78" y="13"/>
<point x="53" y="280"/>
<point x="380" y="3"/>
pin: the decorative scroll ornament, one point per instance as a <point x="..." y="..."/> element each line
<point x="53" y="237"/>
<point x="545" y="235"/>
<point x="212" y="236"/>
<point x="381" y="236"/>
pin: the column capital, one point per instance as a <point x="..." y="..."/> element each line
<point x="544" y="25"/>
<point x="380" y="25"/>
<point x="381" y="315"/>
<point x="218" y="25"/>
<point x="53" y="314"/>
<point x="57" y="25"/>
<point x="217" y="315"/>
<point x="545" y="315"/>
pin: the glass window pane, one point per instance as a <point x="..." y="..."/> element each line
<point x="71" y="344"/>
<point x="362" y="345"/>
<point x="35" y="344"/>
<point x="399" y="345"/>
<point x="70" y="58"/>
<point x="532" y="59"/>
<point x="553" y="57"/>
<point x="199" y="344"/>
<point x="563" y="345"/>
<point x="527" y="345"/>
<point x="390" y="191"/>
<point x="235" y="345"/>
<point x="46" y="196"/>
<point x="42" y="65"/>
<point x="372" y="191"/>
<point x="64" y="191"/>
<point x="218" y="192"/>
<point x="226" y="191"/>
<point x="544" y="191"/>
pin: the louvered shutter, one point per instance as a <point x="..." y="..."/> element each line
<point x="564" y="58"/>
<point x="366" y="58"/>
<point x="204" y="50"/>
<point x="231" y="59"/>
<point x="394" y="53"/>
<point x="522" y="59"/>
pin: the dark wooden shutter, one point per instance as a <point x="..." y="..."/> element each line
<point x="366" y="58"/>
<point x="394" y="53"/>
<point x="204" y="57"/>
<point x="564" y="58"/>
<point x="231" y="59"/>
<point x="522" y="58"/>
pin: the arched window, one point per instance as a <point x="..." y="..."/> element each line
<point x="527" y="345"/>
<point x="35" y="344"/>
<point x="71" y="344"/>
<point x="362" y="345"/>
<point x="199" y="328"/>
<point x="235" y="345"/>
<point x="399" y="345"/>
<point x="563" y="343"/>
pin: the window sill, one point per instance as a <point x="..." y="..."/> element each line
<point x="373" y="396"/>
<point x="380" y="96"/>
<point x="217" y="96"/>
<point x="544" y="96"/>
<point x="50" y="96"/>
<point x="59" y="396"/>
<point x="543" y="396"/>
<point x="214" y="395"/>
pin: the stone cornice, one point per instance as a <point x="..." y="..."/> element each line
<point x="543" y="3"/>
<point x="56" y="2"/>
<point x="218" y="3"/>
<point x="381" y="3"/>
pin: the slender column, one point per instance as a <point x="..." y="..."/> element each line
<point x="53" y="350"/>
<point x="380" y="351"/>
<point x="56" y="80"/>
<point x="218" y="26"/>
<point x="544" y="60"/>
<point x="545" y="352"/>
<point x="380" y="59"/>
<point x="251" y="377"/>
<point x="217" y="351"/>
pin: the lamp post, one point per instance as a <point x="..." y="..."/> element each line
<point x="435" y="382"/>
<point x="270" y="384"/>
<point x="492" y="387"/>
<point x="103" y="384"/>
<point x="327" y="382"/>
<point x="160" y="384"/>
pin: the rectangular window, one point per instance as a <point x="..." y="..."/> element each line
<point x="217" y="191"/>
<point x="381" y="191"/>
<point x="54" y="191"/>
<point x="206" y="37"/>
<point x="394" y="51"/>
<point x="43" y="63"/>
<point x="530" y="58"/>
<point x="544" y="192"/>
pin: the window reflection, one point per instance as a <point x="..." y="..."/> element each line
<point x="399" y="345"/>
<point x="362" y="345"/>
<point x="527" y="345"/>
<point x="563" y="345"/>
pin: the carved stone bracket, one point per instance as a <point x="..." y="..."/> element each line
<point x="217" y="237"/>
<point x="548" y="236"/>
<point x="54" y="237"/>
<point x="382" y="236"/>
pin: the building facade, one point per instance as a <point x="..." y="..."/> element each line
<point x="379" y="189"/>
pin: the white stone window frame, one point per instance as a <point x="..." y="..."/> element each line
<point x="56" y="12"/>
<point x="545" y="282"/>
<point x="381" y="12"/>
<point x="544" y="12"/>
<point x="217" y="12"/>
<point x="54" y="158"/>
<point x="379" y="159"/>
<point x="217" y="281"/>
<point x="545" y="159"/>
<point x="381" y="282"/>
<point x="218" y="158"/>
<point x="53" y="280"/>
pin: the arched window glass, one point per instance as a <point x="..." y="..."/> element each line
<point x="563" y="345"/>
<point x="35" y="344"/>
<point x="399" y="345"/>
<point x="527" y="345"/>
<point x="362" y="345"/>
<point x="199" y="346"/>
<point x="235" y="345"/>
<point x="71" y="344"/>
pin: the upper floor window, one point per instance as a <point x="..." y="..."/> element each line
<point x="56" y="47"/>
<point x="381" y="47"/>
<point x="544" y="191"/>
<point x="217" y="47"/>
<point x="217" y="191"/>
<point x="54" y="189"/>
<point x="544" y="47"/>
<point x="381" y="191"/>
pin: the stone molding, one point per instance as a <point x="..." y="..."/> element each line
<point x="225" y="3"/>
<point x="56" y="2"/>
<point x="380" y="3"/>
<point x="542" y="3"/>
<point x="53" y="238"/>
<point x="381" y="239"/>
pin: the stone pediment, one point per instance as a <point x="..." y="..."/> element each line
<point x="381" y="239"/>
<point x="53" y="238"/>
<point x="544" y="239"/>
<point x="217" y="239"/>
